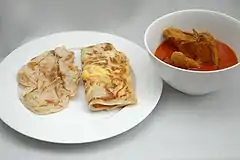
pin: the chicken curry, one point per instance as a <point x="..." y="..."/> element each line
<point x="195" y="51"/>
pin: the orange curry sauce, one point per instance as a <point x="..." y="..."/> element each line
<point x="227" y="56"/>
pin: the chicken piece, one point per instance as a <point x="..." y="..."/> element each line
<point x="181" y="60"/>
<point x="198" y="46"/>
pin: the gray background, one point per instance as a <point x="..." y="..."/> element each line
<point x="181" y="127"/>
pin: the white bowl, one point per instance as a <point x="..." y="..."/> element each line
<point x="221" y="26"/>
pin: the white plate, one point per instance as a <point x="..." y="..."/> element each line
<point x="76" y="123"/>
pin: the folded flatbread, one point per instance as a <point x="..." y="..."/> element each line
<point x="107" y="77"/>
<point x="47" y="82"/>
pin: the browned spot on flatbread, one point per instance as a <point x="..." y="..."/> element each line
<point x="32" y="65"/>
<point x="103" y="106"/>
<point x="108" y="47"/>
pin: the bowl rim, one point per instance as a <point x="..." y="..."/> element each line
<point x="190" y="11"/>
